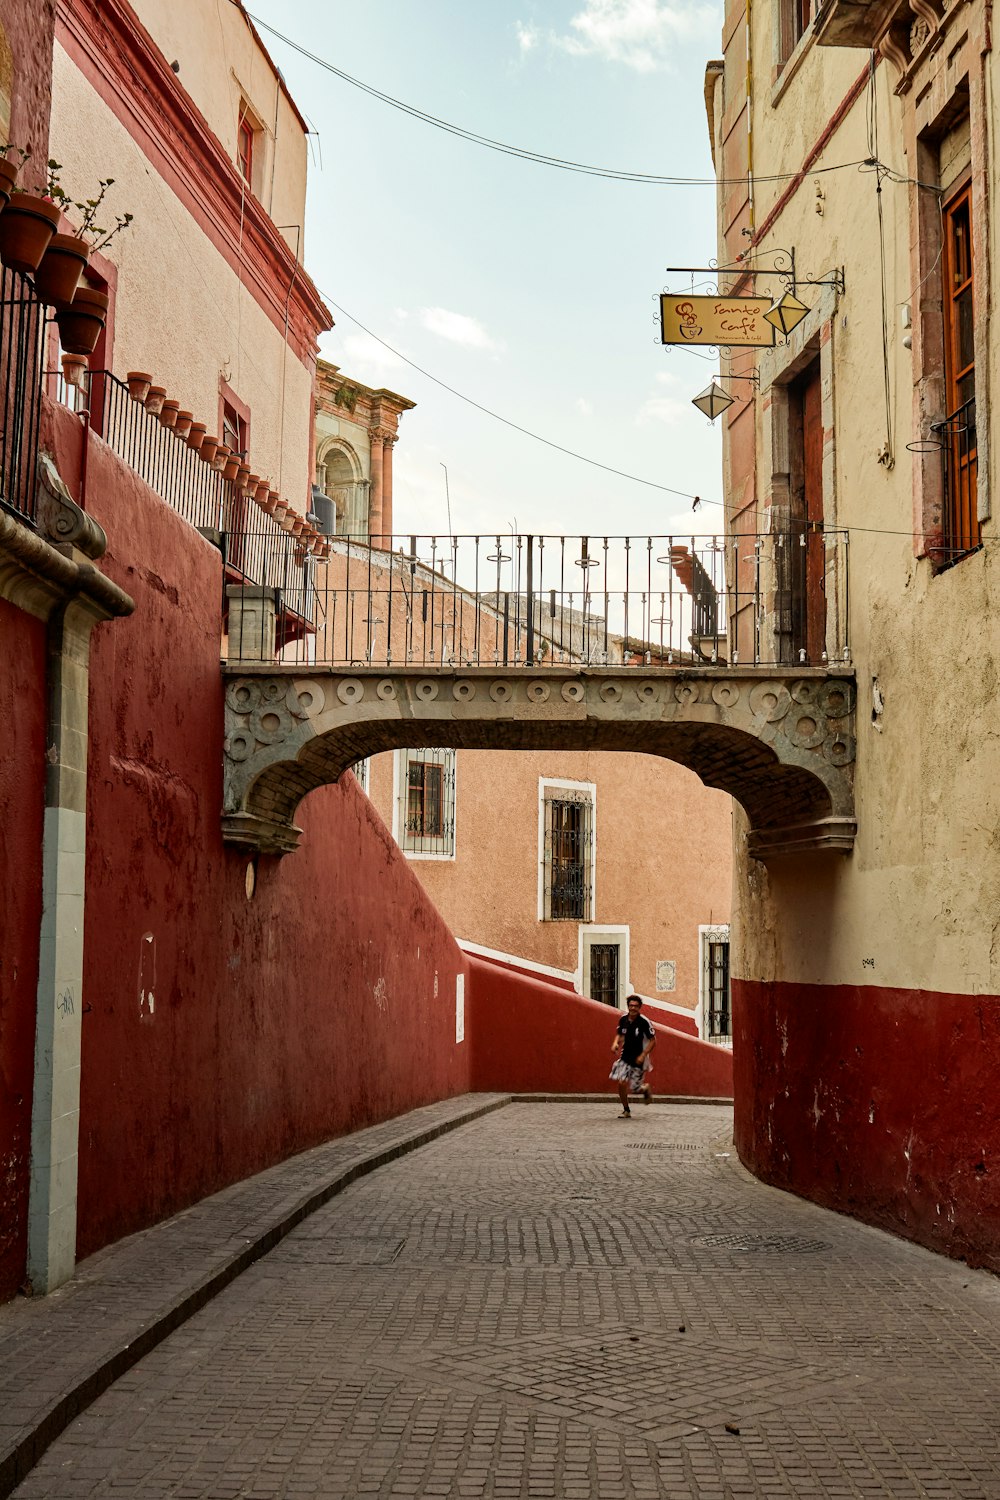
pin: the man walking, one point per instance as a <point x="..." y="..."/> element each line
<point x="634" y="1041"/>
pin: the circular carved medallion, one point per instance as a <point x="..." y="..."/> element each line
<point x="501" y="692"/>
<point x="350" y="690"/>
<point x="426" y="690"/>
<point x="538" y="692"/>
<point x="386" y="690"/>
<point x="573" y="692"/>
<point x="464" y="691"/>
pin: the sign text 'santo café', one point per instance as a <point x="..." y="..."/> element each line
<point x="720" y="321"/>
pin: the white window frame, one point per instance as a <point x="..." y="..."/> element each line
<point x="400" y="765"/>
<point x="622" y="938"/>
<point x="362" y="774"/>
<point x="547" y="784"/>
<point x="707" y="934"/>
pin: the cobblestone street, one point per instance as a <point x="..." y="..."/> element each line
<point x="551" y="1302"/>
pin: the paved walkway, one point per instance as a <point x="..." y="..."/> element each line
<point x="550" y="1303"/>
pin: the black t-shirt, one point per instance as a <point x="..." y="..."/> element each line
<point x="636" y="1033"/>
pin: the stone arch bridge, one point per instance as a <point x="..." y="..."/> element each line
<point x="779" y="740"/>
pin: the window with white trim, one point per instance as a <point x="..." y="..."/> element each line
<point x="425" y="803"/>
<point x="567" y="853"/>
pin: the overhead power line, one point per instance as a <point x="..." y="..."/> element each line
<point x="523" y="153"/>
<point x="621" y="473"/>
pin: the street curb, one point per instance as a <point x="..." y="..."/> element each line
<point x="613" y="1099"/>
<point x="17" y="1461"/>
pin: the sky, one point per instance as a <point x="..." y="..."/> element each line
<point x="530" y="290"/>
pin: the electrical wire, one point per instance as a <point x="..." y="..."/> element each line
<point x="699" y="500"/>
<point x="523" y="153"/>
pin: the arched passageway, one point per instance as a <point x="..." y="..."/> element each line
<point x="783" y="746"/>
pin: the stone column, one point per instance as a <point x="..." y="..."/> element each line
<point x="388" y="443"/>
<point x="375" y="493"/>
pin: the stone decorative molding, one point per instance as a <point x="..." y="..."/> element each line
<point x="783" y="746"/>
<point x="60" y="519"/>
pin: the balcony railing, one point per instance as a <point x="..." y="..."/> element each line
<point x="22" y="321"/>
<point x="517" y="600"/>
<point x="256" y="549"/>
<point x="960" y="452"/>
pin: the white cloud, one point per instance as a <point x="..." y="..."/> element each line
<point x="667" y="405"/>
<point x="457" y="329"/>
<point x="641" y="34"/>
<point x="527" y="36"/>
<point x="364" y="357"/>
<point x="584" y="407"/>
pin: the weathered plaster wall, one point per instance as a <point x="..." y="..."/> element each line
<point x="864" y="989"/>
<point x="886" y="1106"/>
<point x="663" y="858"/>
<point x="223" y="1032"/>
<point x="22" y="784"/>
<point x="550" y="1042"/>
<point x="29" y="26"/>
<point x="222" y="61"/>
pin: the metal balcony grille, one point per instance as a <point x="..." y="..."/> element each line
<point x="604" y="973"/>
<point x="568" y="855"/>
<point x="960" y="451"/>
<point x="22" y="321"/>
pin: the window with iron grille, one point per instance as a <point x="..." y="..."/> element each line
<point x="426" y="802"/>
<point x="604" y="972"/>
<point x="716" y="1011"/>
<point x="958" y="430"/>
<point x="568" y="855"/>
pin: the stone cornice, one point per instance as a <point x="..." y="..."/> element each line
<point x="119" y="58"/>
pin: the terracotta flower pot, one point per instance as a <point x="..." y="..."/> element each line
<point x="8" y="177"/>
<point x="168" y="413"/>
<point x="262" y="493"/>
<point x="208" y="449"/>
<point x="27" y="224"/>
<point x="155" y="397"/>
<point x="231" y="467"/>
<point x="196" y="435"/>
<point x="81" y="322"/>
<point x="182" y="426"/>
<point x="241" y="476"/>
<point x="223" y="454"/>
<point x="274" y="500"/>
<point x="250" y="485"/>
<point x="74" y="369"/>
<point x="138" y="384"/>
<point x="61" y="268"/>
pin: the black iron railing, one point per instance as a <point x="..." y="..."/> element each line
<point x="22" y="323"/>
<point x="960" y="452"/>
<point x="610" y="601"/>
<point x="256" y="548"/>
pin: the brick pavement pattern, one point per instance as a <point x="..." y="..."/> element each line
<point x="552" y="1303"/>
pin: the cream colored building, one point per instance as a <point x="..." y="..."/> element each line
<point x="181" y="105"/>
<point x="866" y="986"/>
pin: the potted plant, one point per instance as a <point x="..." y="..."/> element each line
<point x="182" y="426"/>
<point x="27" y="224"/>
<point x="197" y="436"/>
<point x="80" y="322"/>
<point x="65" y="259"/>
<point x="155" y="397"/>
<point x="208" y="448"/>
<point x="168" y="413"/>
<point x="223" y="453"/>
<point x="9" y="169"/>
<point x="138" y="382"/>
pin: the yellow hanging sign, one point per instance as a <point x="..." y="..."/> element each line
<point x="723" y="321"/>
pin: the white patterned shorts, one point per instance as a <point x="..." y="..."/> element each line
<point x="623" y="1072"/>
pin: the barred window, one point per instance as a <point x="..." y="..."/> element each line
<point x="716" y="1009"/>
<point x="426" y="802"/>
<point x="568" y="855"/>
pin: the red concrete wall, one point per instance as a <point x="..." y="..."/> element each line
<point x="324" y="1003"/>
<point x="881" y="1103"/>
<point x="533" y="1037"/>
<point x="30" y="27"/>
<point x="22" y="800"/>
